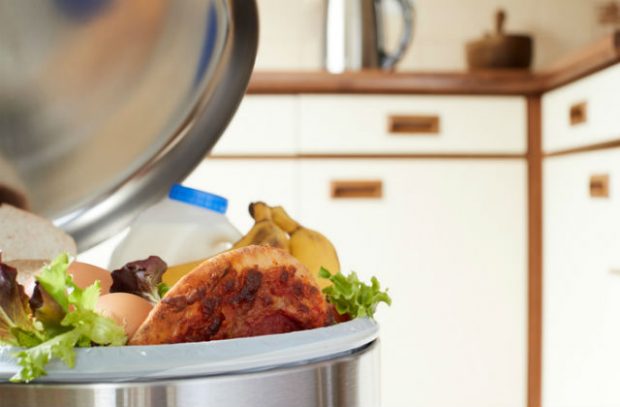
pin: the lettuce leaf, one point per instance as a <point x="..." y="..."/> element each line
<point x="81" y="326"/>
<point x="352" y="297"/>
<point x="46" y="310"/>
<point x="162" y="289"/>
<point x="56" y="281"/>
<point x="96" y="328"/>
<point x="33" y="360"/>
<point x="17" y="327"/>
<point x="142" y="278"/>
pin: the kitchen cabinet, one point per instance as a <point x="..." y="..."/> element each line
<point x="449" y="239"/>
<point x="581" y="309"/>
<point x="582" y="113"/>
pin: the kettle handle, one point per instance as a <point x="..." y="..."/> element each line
<point x="388" y="61"/>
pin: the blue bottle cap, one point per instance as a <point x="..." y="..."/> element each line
<point x="199" y="198"/>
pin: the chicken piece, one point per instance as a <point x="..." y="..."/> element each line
<point x="251" y="291"/>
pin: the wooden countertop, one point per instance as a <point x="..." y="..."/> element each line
<point x="586" y="61"/>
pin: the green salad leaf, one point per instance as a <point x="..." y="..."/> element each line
<point x="17" y="327"/>
<point x="352" y="297"/>
<point x="80" y="326"/>
<point x="33" y="360"/>
<point x="46" y="310"/>
<point x="56" y="281"/>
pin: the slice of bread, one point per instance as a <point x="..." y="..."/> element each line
<point x="24" y="235"/>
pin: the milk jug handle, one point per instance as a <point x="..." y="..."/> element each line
<point x="388" y="61"/>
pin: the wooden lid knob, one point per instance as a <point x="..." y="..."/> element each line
<point x="500" y="20"/>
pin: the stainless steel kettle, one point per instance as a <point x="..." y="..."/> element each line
<point x="354" y="35"/>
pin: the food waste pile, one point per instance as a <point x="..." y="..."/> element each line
<point x="279" y="277"/>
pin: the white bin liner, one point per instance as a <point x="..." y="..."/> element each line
<point x="147" y="363"/>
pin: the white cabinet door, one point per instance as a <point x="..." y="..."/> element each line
<point x="245" y="181"/>
<point x="581" y="309"/>
<point x="449" y="240"/>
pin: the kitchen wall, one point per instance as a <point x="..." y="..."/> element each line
<point x="291" y="30"/>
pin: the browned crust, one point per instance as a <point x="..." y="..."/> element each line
<point x="250" y="291"/>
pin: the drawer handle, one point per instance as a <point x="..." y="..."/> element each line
<point x="578" y="113"/>
<point x="356" y="189"/>
<point x="599" y="186"/>
<point x="413" y="124"/>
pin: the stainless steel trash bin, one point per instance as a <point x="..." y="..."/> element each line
<point x="335" y="366"/>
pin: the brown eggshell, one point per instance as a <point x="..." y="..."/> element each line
<point x="86" y="274"/>
<point x="128" y="310"/>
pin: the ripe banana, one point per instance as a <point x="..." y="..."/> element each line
<point x="264" y="232"/>
<point x="176" y="272"/>
<point x="309" y="246"/>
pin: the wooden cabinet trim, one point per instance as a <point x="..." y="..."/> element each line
<point x="586" y="149"/>
<point x="595" y="57"/>
<point x="422" y="156"/>
<point x="535" y="256"/>
<point x="403" y="83"/>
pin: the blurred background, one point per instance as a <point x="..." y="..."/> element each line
<point x="292" y="39"/>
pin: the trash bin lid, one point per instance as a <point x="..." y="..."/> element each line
<point x="105" y="104"/>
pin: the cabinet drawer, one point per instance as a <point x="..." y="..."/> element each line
<point x="412" y="124"/>
<point x="448" y="239"/>
<point x="583" y="113"/>
<point x="263" y="125"/>
<point x="581" y="306"/>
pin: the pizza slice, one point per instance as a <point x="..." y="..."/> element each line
<point x="255" y="290"/>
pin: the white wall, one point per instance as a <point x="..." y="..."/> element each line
<point x="291" y="30"/>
